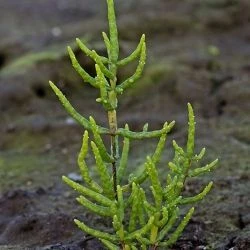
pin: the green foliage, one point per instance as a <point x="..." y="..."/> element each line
<point x="151" y="221"/>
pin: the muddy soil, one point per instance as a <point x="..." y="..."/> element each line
<point x="198" y="52"/>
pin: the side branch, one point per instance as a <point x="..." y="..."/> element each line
<point x="80" y="119"/>
<point x="85" y="76"/>
<point x="143" y="135"/>
<point x="89" y="52"/>
<point x="134" y="54"/>
<point x="138" y="72"/>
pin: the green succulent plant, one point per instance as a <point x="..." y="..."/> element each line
<point x="139" y="221"/>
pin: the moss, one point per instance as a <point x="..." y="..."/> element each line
<point x="24" y="161"/>
<point x="156" y="73"/>
<point x="27" y="61"/>
<point x="24" y="141"/>
<point x="25" y="169"/>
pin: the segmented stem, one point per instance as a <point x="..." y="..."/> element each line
<point x="150" y="221"/>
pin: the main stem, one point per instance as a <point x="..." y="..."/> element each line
<point x="114" y="146"/>
<point x="113" y="53"/>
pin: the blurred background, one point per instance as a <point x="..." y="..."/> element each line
<point x="198" y="52"/>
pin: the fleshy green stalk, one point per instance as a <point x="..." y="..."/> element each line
<point x="139" y="222"/>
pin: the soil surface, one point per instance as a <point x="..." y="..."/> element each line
<point x="198" y="52"/>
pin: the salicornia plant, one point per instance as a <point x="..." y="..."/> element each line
<point x="140" y="221"/>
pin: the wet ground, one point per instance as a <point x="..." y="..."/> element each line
<point x="198" y="52"/>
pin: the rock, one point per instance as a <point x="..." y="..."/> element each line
<point x="75" y="177"/>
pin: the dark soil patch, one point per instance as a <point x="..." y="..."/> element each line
<point x="24" y="222"/>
